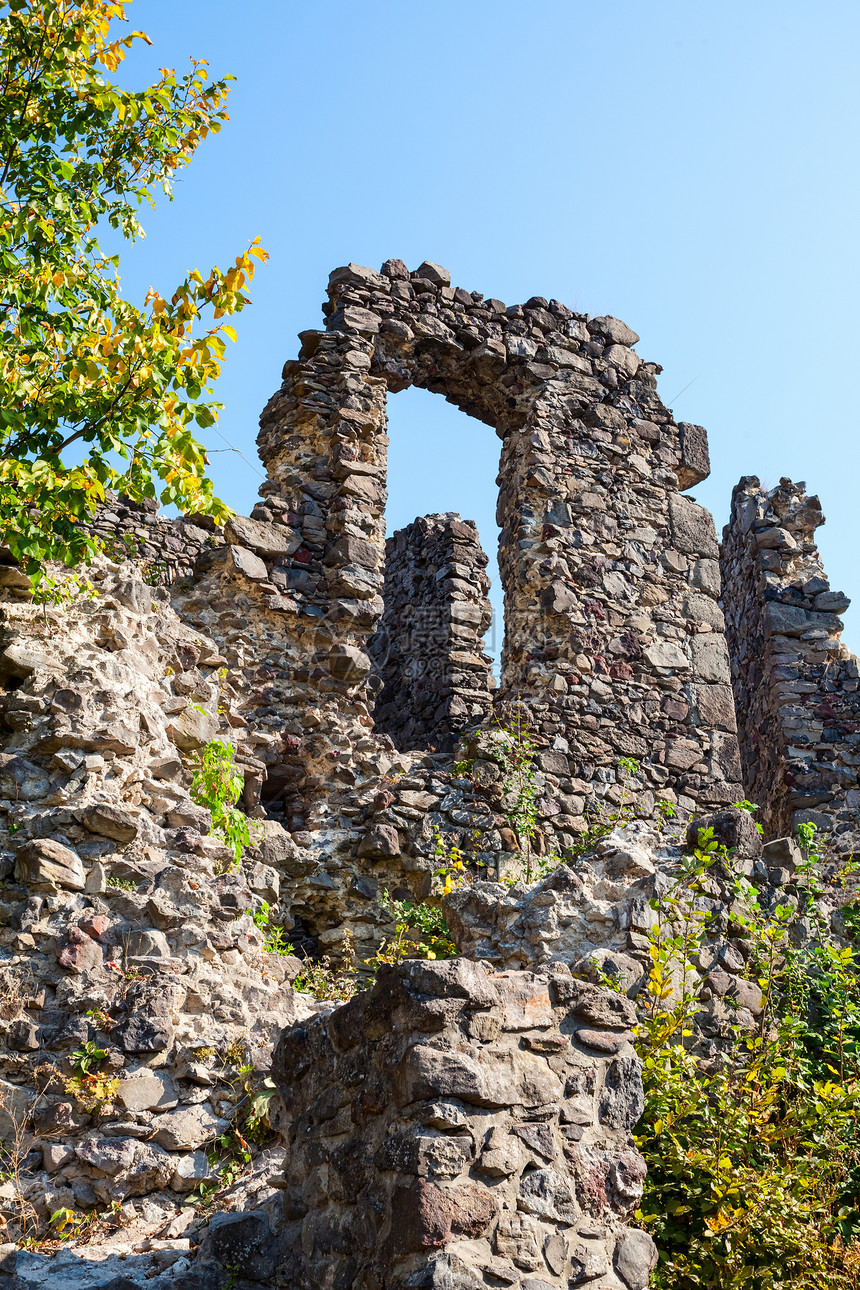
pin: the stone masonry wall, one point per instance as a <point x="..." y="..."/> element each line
<point x="486" y="1108"/>
<point x="615" y="641"/>
<point x="459" y="1128"/>
<point x="436" y="680"/>
<point x="797" y="688"/>
<point x="615" y="638"/>
<point x="463" y="1123"/>
<point x="124" y="924"/>
<point x="168" y="548"/>
<point x="614" y="635"/>
<point x="597" y="916"/>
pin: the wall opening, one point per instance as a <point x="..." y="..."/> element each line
<point x="439" y="635"/>
<point x="440" y="459"/>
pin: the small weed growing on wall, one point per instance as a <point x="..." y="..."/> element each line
<point x="121" y="884"/>
<point x="451" y="865"/>
<point x="229" y="1155"/>
<point x="102" y="1020"/>
<point x="751" y="808"/>
<point x="216" y="784"/>
<point x="154" y="572"/>
<point x="87" y="1056"/>
<point x="20" y="1221"/>
<point x="92" y="1091"/>
<point x="515" y="749"/>
<point x="420" y="933"/>
<point x="512" y="747"/>
<point x="328" y="981"/>
<point x="89" y="1087"/>
<point x="274" y="942"/>
<point x="534" y="868"/>
<point x="61" y="592"/>
<point x="69" y="1225"/>
<point x="602" y="822"/>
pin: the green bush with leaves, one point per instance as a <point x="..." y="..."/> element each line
<point x="216" y="784"/>
<point x="420" y="932"/>
<point x="80" y="366"/>
<point x="753" y="1157"/>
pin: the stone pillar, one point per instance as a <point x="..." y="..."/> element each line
<point x="435" y="678"/>
<point x="614" y="637"/>
<point x="796" y="685"/>
<point x="323" y="442"/>
<point x="456" y="1128"/>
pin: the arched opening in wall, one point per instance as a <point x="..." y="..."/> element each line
<point x="438" y="644"/>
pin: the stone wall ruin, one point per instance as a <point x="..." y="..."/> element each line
<point x="614" y="634"/>
<point x="797" y="688"/>
<point x="456" y="1127"/>
<point x="614" y="643"/>
<point x="167" y="549"/>
<point x="614" y="637"/>
<point x="486" y="1102"/>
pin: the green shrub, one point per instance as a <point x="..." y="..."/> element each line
<point x="420" y="930"/>
<point x="753" y="1158"/>
<point x="216" y="785"/>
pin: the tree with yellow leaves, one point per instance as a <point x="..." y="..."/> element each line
<point x="79" y="364"/>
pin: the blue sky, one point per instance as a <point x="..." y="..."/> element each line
<point x="689" y="168"/>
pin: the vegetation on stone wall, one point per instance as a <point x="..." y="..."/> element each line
<point x="216" y="784"/>
<point x="753" y="1155"/>
<point x="84" y="371"/>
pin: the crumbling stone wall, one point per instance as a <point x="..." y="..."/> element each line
<point x="456" y="1127"/>
<point x="436" y="679"/>
<point x="596" y="917"/>
<point x="123" y="923"/>
<point x="167" y="548"/>
<point x="615" y="640"/>
<point x="464" y="1123"/>
<point x="614" y="634"/>
<point x="614" y="637"/>
<point x="797" y="688"/>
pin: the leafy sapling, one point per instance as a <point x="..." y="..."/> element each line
<point x="216" y="784"/>
<point x="119" y="383"/>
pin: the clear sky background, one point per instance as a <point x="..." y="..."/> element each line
<point x="689" y="168"/>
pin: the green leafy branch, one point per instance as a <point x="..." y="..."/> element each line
<point x="216" y="784"/>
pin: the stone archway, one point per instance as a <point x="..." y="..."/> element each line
<point x="614" y="638"/>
